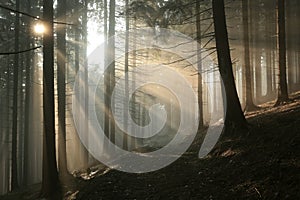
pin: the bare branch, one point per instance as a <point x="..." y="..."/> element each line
<point x="18" y="52"/>
<point x="32" y="16"/>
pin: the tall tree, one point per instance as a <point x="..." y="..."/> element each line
<point x="77" y="36"/>
<point x="106" y="78"/>
<point x="109" y="126"/>
<point x="86" y="75"/>
<point x="199" y="63"/>
<point x="111" y="50"/>
<point x="248" y="83"/>
<point x="268" y="29"/>
<point x="125" y="139"/>
<point x="27" y="112"/>
<point x="282" y="90"/>
<point x="61" y="87"/>
<point x="234" y="117"/>
<point x="80" y="52"/>
<point x="49" y="173"/>
<point x="14" y="170"/>
<point x="29" y="56"/>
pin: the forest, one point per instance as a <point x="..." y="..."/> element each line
<point x="149" y="99"/>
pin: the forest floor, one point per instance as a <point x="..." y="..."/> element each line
<point x="263" y="163"/>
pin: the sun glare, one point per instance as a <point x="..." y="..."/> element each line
<point x="39" y="28"/>
<point x="95" y="38"/>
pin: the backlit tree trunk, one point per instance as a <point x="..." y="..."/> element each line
<point x="248" y="83"/>
<point x="50" y="175"/>
<point x="61" y="87"/>
<point x="199" y="60"/>
<point x="109" y="80"/>
<point x="125" y="136"/>
<point x="234" y="117"/>
<point x="111" y="50"/>
<point x="282" y="90"/>
<point x="14" y="169"/>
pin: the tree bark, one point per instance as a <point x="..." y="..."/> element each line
<point x="106" y="79"/>
<point x="49" y="174"/>
<point x="234" y="117"/>
<point x="85" y="152"/>
<point x="14" y="169"/>
<point x="125" y="136"/>
<point x="109" y="80"/>
<point x="27" y="114"/>
<point x="248" y="83"/>
<point x="111" y="50"/>
<point x="61" y="87"/>
<point x="268" y="32"/>
<point x="199" y="64"/>
<point x="29" y="56"/>
<point x="258" y="71"/>
<point x="282" y="90"/>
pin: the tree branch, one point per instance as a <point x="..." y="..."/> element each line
<point x="18" y="52"/>
<point x="34" y="17"/>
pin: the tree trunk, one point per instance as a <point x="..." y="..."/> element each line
<point x="111" y="50"/>
<point x="106" y="80"/>
<point x="61" y="87"/>
<point x="77" y="38"/>
<point x="21" y="111"/>
<point x="268" y="32"/>
<point x="282" y="90"/>
<point x="248" y="83"/>
<point x="86" y="76"/>
<point x="27" y="113"/>
<point x="8" y="124"/>
<point x="109" y="80"/>
<point x="258" y="71"/>
<point x="199" y="64"/>
<point x="289" y="45"/>
<point x="234" y="117"/>
<point x="49" y="175"/>
<point x="133" y="143"/>
<point x="14" y="170"/>
<point x="125" y="136"/>
<point x="29" y="56"/>
<point x="83" y="153"/>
